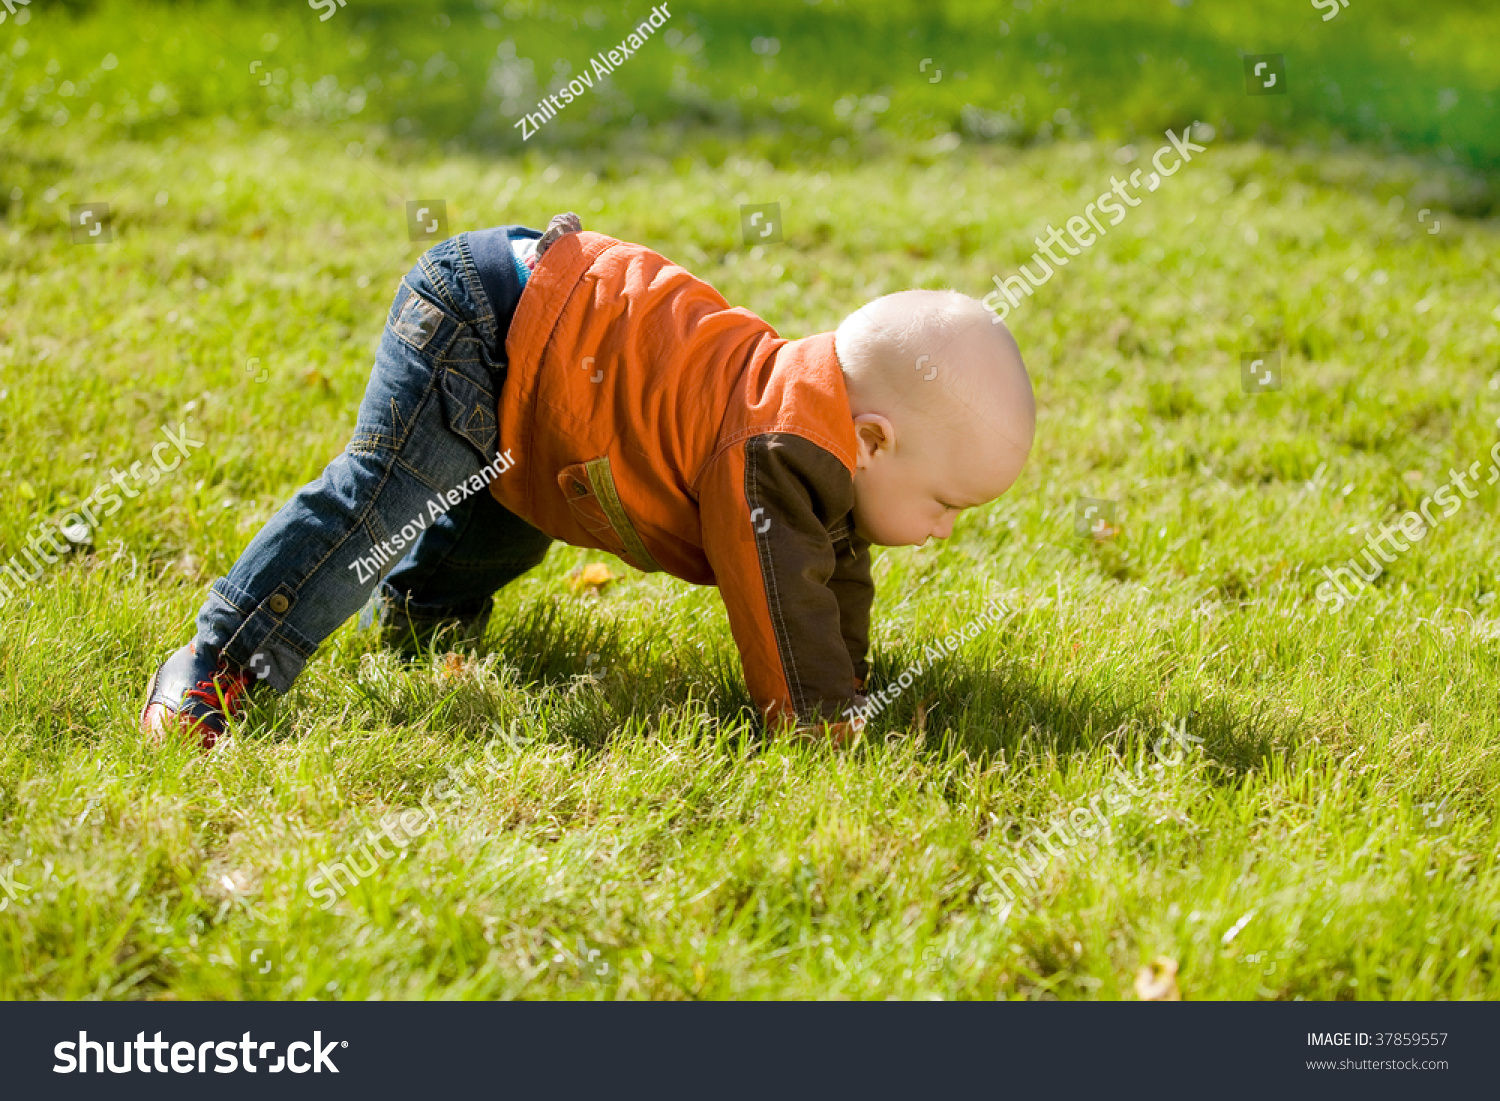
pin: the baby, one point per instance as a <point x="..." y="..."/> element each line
<point x="567" y="385"/>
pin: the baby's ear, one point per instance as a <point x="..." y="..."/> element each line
<point x="874" y="431"/>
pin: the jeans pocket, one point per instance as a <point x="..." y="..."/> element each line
<point x="417" y="321"/>
<point x="470" y="408"/>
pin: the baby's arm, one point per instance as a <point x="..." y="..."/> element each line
<point x="777" y="513"/>
<point x="855" y="593"/>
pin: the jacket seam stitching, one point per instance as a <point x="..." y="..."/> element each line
<point x="551" y="320"/>
<point x="614" y="512"/>
<point x="746" y="434"/>
<point x="773" y="593"/>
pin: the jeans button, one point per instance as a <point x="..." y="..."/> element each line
<point x="279" y="603"/>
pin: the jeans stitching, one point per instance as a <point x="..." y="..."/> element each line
<point x="279" y="632"/>
<point x="367" y="442"/>
<point x="232" y="595"/>
<point x="486" y="320"/>
<point x="437" y="346"/>
<point x="400" y="460"/>
<point x="439" y="284"/>
<point x="385" y="477"/>
<point x="484" y="413"/>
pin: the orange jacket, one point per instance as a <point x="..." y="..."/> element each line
<point x="650" y="419"/>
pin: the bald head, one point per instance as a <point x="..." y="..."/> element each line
<point x="946" y="376"/>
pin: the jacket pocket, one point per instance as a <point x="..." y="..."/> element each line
<point x="590" y="490"/>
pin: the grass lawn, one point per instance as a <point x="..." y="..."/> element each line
<point x="1322" y="823"/>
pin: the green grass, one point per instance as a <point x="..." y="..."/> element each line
<point x="1339" y="816"/>
<point x="784" y="79"/>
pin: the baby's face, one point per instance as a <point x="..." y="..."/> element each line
<point x="935" y="444"/>
<point x="907" y="491"/>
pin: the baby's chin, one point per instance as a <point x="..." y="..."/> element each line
<point x="879" y="541"/>
<point x="863" y="533"/>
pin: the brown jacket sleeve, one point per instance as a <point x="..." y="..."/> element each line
<point x="855" y="592"/>
<point x="777" y="514"/>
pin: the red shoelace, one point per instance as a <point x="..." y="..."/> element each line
<point x="231" y="685"/>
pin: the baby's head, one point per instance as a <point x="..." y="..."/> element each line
<point x="942" y="407"/>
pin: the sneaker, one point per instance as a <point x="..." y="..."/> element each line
<point x="194" y="693"/>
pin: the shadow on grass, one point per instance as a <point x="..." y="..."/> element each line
<point x="955" y="704"/>
<point x="981" y="710"/>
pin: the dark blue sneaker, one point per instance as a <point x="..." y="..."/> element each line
<point x="194" y="694"/>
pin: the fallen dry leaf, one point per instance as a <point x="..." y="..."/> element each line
<point x="1157" y="981"/>
<point x="591" y="578"/>
<point x="923" y="708"/>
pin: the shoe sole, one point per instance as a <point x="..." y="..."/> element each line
<point x="152" y="730"/>
<point x="155" y="729"/>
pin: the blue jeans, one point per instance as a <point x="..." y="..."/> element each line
<point x="427" y="425"/>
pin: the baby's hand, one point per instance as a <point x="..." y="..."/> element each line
<point x="842" y="735"/>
